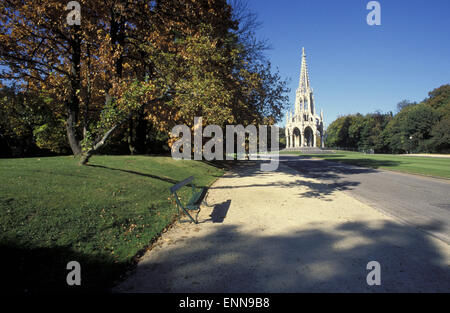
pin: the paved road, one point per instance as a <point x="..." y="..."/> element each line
<point x="419" y="201"/>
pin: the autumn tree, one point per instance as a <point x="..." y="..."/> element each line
<point x="40" y="50"/>
<point x="131" y="63"/>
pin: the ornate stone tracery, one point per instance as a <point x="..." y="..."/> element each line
<point x="304" y="125"/>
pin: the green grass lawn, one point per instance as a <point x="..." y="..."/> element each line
<point x="430" y="166"/>
<point x="53" y="211"/>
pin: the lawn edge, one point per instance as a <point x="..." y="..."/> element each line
<point x="131" y="267"/>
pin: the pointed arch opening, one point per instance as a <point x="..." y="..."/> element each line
<point x="296" y="137"/>
<point x="309" y="137"/>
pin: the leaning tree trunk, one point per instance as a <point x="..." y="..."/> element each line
<point x="86" y="156"/>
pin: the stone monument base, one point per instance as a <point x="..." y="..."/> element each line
<point x="310" y="150"/>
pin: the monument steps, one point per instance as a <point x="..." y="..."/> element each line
<point x="310" y="150"/>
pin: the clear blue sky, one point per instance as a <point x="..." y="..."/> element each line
<point x="355" y="67"/>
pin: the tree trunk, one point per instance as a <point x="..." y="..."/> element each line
<point x="74" y="142"/>
<point x="131" y="145"/>
<point x="141" y="133"/>
<point x="85" y="157"/>
<point x="73" y="104"/>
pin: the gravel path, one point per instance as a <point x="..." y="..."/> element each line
<point x="283" y="232"/>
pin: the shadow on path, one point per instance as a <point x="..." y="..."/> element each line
<point x="331" y="259"/>
<point x="331" y="178"/>
<point x="220" y="211"/>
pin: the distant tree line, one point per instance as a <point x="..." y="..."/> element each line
<point x="416" y="127"/>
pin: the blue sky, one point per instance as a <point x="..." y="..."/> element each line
<point x="355" y="67"/>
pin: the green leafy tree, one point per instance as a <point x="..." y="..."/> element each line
<point x="354" y="130"/>
<point x="337" y="133"/>
<point x="27" y="124"/>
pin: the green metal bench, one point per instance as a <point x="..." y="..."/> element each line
<point x="193" y="203"/>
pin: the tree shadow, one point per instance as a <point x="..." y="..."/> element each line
<point x="372" y="163"/>
<point x="322" y="190"/>
<point x="36" y="270"/>
<point x="166" y="179"/>
<point x="325" y="169"/>
<point x="232" y="260"/>
<point x="315" y="189"/>
<point x="331" y="176"/>
<point x="229" y="258"/>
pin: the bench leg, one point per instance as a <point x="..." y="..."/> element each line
<point x="196" y="216"/>
<point x="206" y="203"/>
<point x="192" y="219"/>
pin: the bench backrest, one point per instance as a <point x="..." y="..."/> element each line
<point x="177" y="186"/>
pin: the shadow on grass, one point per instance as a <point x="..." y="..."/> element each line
<point x="34" y="270"/>
<point x="166" y="179"/>
<point x="372" y="163"/>
<point x="232" y="260"/>
<point x="314" y="259"/>
<point x="361" y="161"/>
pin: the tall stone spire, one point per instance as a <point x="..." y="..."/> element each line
<point x="303" y="127"/>
<point x="303" y="85"/>
<point x="304" y="101"/>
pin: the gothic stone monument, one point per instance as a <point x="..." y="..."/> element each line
<point x="304" y="125"/>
